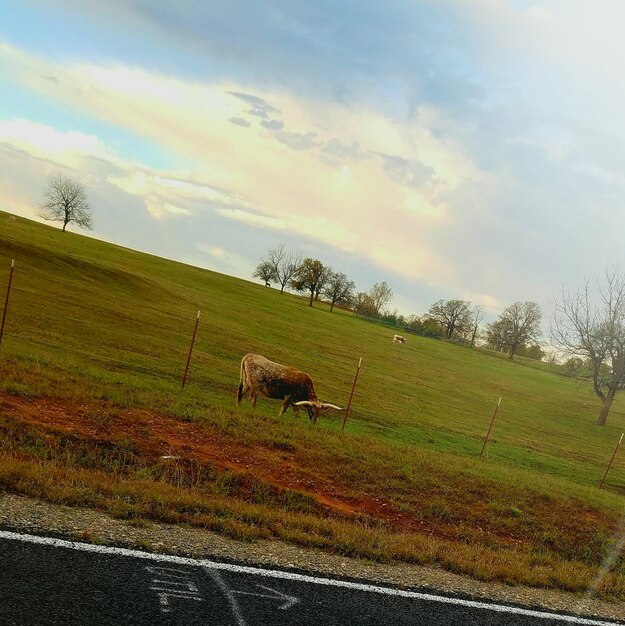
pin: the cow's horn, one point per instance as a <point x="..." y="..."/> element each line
<point x="327" y="405"/>
<point x="303" y="403"/>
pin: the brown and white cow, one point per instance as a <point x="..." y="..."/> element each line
<point x="280" y="382"/>
<point x="398" y="340"/>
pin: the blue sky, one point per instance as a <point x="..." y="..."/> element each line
<point x="455" y="149"/>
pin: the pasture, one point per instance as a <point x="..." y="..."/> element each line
<point x="90" y="402"/>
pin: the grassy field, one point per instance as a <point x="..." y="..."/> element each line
<point x="90" y="402"/>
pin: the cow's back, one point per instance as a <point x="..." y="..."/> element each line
<point x="275" y="380"/>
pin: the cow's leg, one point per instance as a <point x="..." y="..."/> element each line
<point x="253" y="399"/>
<point x="285" y="404"/>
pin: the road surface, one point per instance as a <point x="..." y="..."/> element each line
<point x="47" y="581"/>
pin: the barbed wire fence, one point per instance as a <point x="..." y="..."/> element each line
<point x="168" y="332"/>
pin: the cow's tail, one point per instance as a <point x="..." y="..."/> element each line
<point x="240" y="392"/>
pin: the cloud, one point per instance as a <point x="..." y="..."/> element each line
<point x="325" y="51"/>
<point x="297" y="141"/>
<point x="86" y="157"/>
<point x="335" y="150"/>
<point x="406" y="172"/>
<point x="239" y="121"/>
<point x="384" y="208"/>
<point x="470" y="145"/>
<point x="220" y="259"/>
<point x="260" y="107"/>
<point x="174" y="193"/>
<point x="254" y="219"/>
<point x="272" y="124"/>
<point x="215" y="251"/>
<point x="47" y="142"/>
<point x="258" y="112"/>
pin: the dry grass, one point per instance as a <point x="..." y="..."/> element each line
<point x="232" y="514"/>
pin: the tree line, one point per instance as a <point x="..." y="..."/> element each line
<point x="291" y="270"/>
<point x="587" y="327"/>
<point x="515" y="332"/>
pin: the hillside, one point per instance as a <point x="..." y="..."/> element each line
<point x="92" y="359"/>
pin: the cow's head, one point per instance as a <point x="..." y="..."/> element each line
<point x="315" y="407"/>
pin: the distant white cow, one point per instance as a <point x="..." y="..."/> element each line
<point x="398" y="340"/>
<point x="11" y="218"/>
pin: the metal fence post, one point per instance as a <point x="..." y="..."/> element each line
<point x="351" y="395"/>
<point x="186" y="369"/>
<point x="489" y="428"/>
<point x="6" y="302"/>
<point x="611" y="461"/>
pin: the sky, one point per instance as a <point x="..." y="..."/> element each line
<point x="470" y="149"/>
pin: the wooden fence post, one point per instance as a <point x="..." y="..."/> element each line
<point x="186" y="369"/>
<point x="6" y="302"/>
<point x="489" y="428"/>
<point x="351" y="395"/>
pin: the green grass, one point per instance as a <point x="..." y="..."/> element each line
<point x="95" y="325"/>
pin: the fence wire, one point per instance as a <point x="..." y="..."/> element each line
<point x="176" y="326"/>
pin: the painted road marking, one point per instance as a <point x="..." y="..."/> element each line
<point x="232" y="601"/>
<point x="272" y="594"/>
<point x="172" y="584"/>
<point x="305" y="578"/>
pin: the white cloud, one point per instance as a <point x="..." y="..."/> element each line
<point x="46" y="142"/>
<point x="385" y="203"/>
<point x="216" y="251"/>
<point x="475" y="146"/>
<point x="253" y="219"/>
<point x="222" y="260"/>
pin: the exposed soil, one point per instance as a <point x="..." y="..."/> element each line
<point x="158" y="436"/>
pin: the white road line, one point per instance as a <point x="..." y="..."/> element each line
<point x="232" y="601"/>
<point x="316" y="580"/>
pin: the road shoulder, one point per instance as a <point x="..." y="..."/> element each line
<point x="28" y="515"/>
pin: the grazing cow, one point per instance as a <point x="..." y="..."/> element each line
<point x="280" y="382"/>
<point x="11" y="218"/>
<point x="398" y="340"/>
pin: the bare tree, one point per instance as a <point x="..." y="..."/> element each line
<point x="307" y="276"/>
<point x="477" y="316"/>
<point x="284" y="264"/>
<point x="65" y="200"/>
<point x="338" y="288"/>
<point x="517" y="325"/>
<point x="265" y="272"/>
<point x="453" y="315"/>
<point x="381" y="295"/>
<point x="589" y="325"/>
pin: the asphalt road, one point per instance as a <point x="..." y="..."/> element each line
<point x="45" y="581"/>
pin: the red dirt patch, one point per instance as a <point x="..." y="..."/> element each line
<point x="157" y="436"/>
